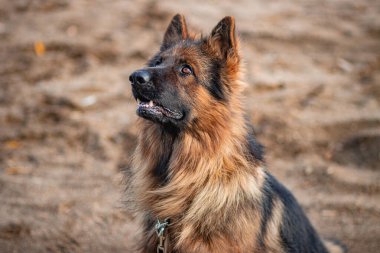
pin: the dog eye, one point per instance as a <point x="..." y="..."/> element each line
<point x="186" y="69"/>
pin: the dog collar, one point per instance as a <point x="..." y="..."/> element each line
<point x="161" y="231"/>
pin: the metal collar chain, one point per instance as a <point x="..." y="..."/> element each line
<point x="162" y="246"/>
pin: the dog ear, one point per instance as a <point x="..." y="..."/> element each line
<point x="223" y="38"/>
<point x="176" y="31"/>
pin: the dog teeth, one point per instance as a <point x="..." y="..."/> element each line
<point x="145" y="104"/>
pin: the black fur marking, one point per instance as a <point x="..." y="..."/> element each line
<point x="266" y="213"/>
<point x="175" y="32"/>
<point x="255" y="148"/>
<point x="215" y="87"/>
<point x="148" y="224"/>
<point x="160" y="171"/>
<point x="152" y="62"/>
<point x="297" y="233"/>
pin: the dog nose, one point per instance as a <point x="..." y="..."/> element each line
<point x="140" y="77"/>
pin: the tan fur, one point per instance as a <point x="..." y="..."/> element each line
<point x="208" y="170"/>
<point x="210" y="175"/>
<point x="333" y="247"/>
<point x="272" y="239"/>
<point x="214" y="184"/>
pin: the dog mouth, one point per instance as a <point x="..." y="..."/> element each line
<point x="149" y="108"/>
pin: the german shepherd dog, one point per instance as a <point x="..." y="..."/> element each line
<point x="199" y="175"/>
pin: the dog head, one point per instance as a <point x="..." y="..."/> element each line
<point x="191" y="80"/>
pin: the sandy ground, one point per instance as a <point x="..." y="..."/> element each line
<point x="67" y="115"/>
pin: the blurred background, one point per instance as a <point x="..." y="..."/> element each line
<point x="67" y="115"/>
